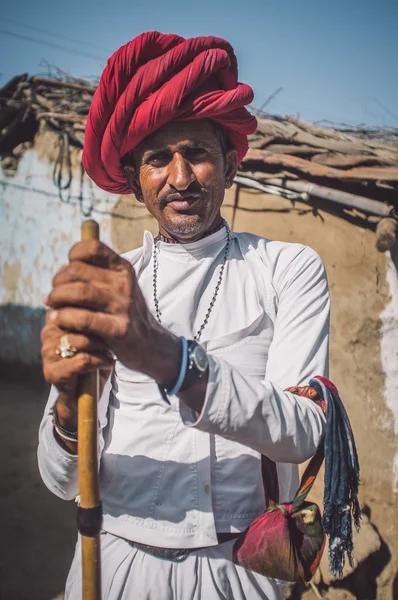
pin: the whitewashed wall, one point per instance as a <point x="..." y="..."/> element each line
<point x="389" y="353"/>
<point x="36" y="233"/>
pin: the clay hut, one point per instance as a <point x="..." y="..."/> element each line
<point x="333" y="188"/>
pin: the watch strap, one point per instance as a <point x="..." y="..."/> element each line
<point x="192" y="374"/>
<point x="183" y="368"/>
<point x="188" y="372"/>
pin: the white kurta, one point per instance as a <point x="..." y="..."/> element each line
<point x="170" y="477"/>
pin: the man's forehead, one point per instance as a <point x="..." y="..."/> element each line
<point x="180" y="133"/>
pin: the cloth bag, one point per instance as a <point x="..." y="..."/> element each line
<point x="287" y="541"/>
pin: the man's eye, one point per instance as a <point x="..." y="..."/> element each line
<point x="196" y="153"/>
<point x="158" y="159"/>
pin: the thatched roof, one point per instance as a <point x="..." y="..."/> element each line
<point x="287" y="155"/>
<point x="27" y="102"/>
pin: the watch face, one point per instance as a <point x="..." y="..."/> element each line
<point x="199" y="357"/>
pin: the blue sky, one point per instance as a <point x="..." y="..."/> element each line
<point x="334" y="60"/>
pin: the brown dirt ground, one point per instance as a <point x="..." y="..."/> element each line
<point x="38" y="530"/>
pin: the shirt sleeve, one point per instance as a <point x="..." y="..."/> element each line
<point x="57" y="466"/>
<point x="260" y="414"/>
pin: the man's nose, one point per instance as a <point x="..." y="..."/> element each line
<point x="180" y="173"/>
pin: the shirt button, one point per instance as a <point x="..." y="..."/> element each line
<point x="207" y="489"/>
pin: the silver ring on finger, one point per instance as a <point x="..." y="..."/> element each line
<point x="65" y="349"/>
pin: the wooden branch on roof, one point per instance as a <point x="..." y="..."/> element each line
<point x="69" y="117"/>
<point x="297" y="150"/>
<point x="371" y="174"/>
<point x="352" y="201"/>
<point x="322" y="132"/>
<point x="80" y="126"/>
<point x="259" y="141"/>
<point x="32" y="96"/>
<point x="361" y="131"/>
<point x="292" y="133"/>
<point x="342" y="161"/>
<point x="62" y="84"/>
<point x="307" y="167"/>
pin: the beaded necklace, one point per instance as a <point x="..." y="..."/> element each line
<point x="211" y="305"/>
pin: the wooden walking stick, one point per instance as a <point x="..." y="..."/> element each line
<point x="89" y="514"/>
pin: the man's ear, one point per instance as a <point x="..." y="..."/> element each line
<point x="231" y="167"/>
<point x="133" y="182"/>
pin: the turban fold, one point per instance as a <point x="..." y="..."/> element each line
<point x="152" y="80"/>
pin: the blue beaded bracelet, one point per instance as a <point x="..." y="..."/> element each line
<point x="183" y="369"/>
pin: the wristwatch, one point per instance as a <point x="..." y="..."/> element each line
<point x="198" y="364"/>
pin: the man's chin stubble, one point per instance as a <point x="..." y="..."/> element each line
<point x="185" y="230"/>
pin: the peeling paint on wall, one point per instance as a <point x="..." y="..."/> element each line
<point x="389" y="354"/>
<point x="36" y="232"/>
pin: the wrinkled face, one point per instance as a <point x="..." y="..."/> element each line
<point x="180" y="172"/>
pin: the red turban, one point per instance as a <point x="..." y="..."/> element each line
<point x="158" y="78"/>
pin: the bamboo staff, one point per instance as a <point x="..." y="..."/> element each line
<point x="89" y="514"/>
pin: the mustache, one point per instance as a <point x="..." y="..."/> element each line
<point x="194" y="189"/>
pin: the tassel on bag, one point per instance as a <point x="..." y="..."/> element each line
<point x="287" y="541"/>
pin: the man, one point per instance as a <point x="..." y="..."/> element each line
<point x="208" y="328"/>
